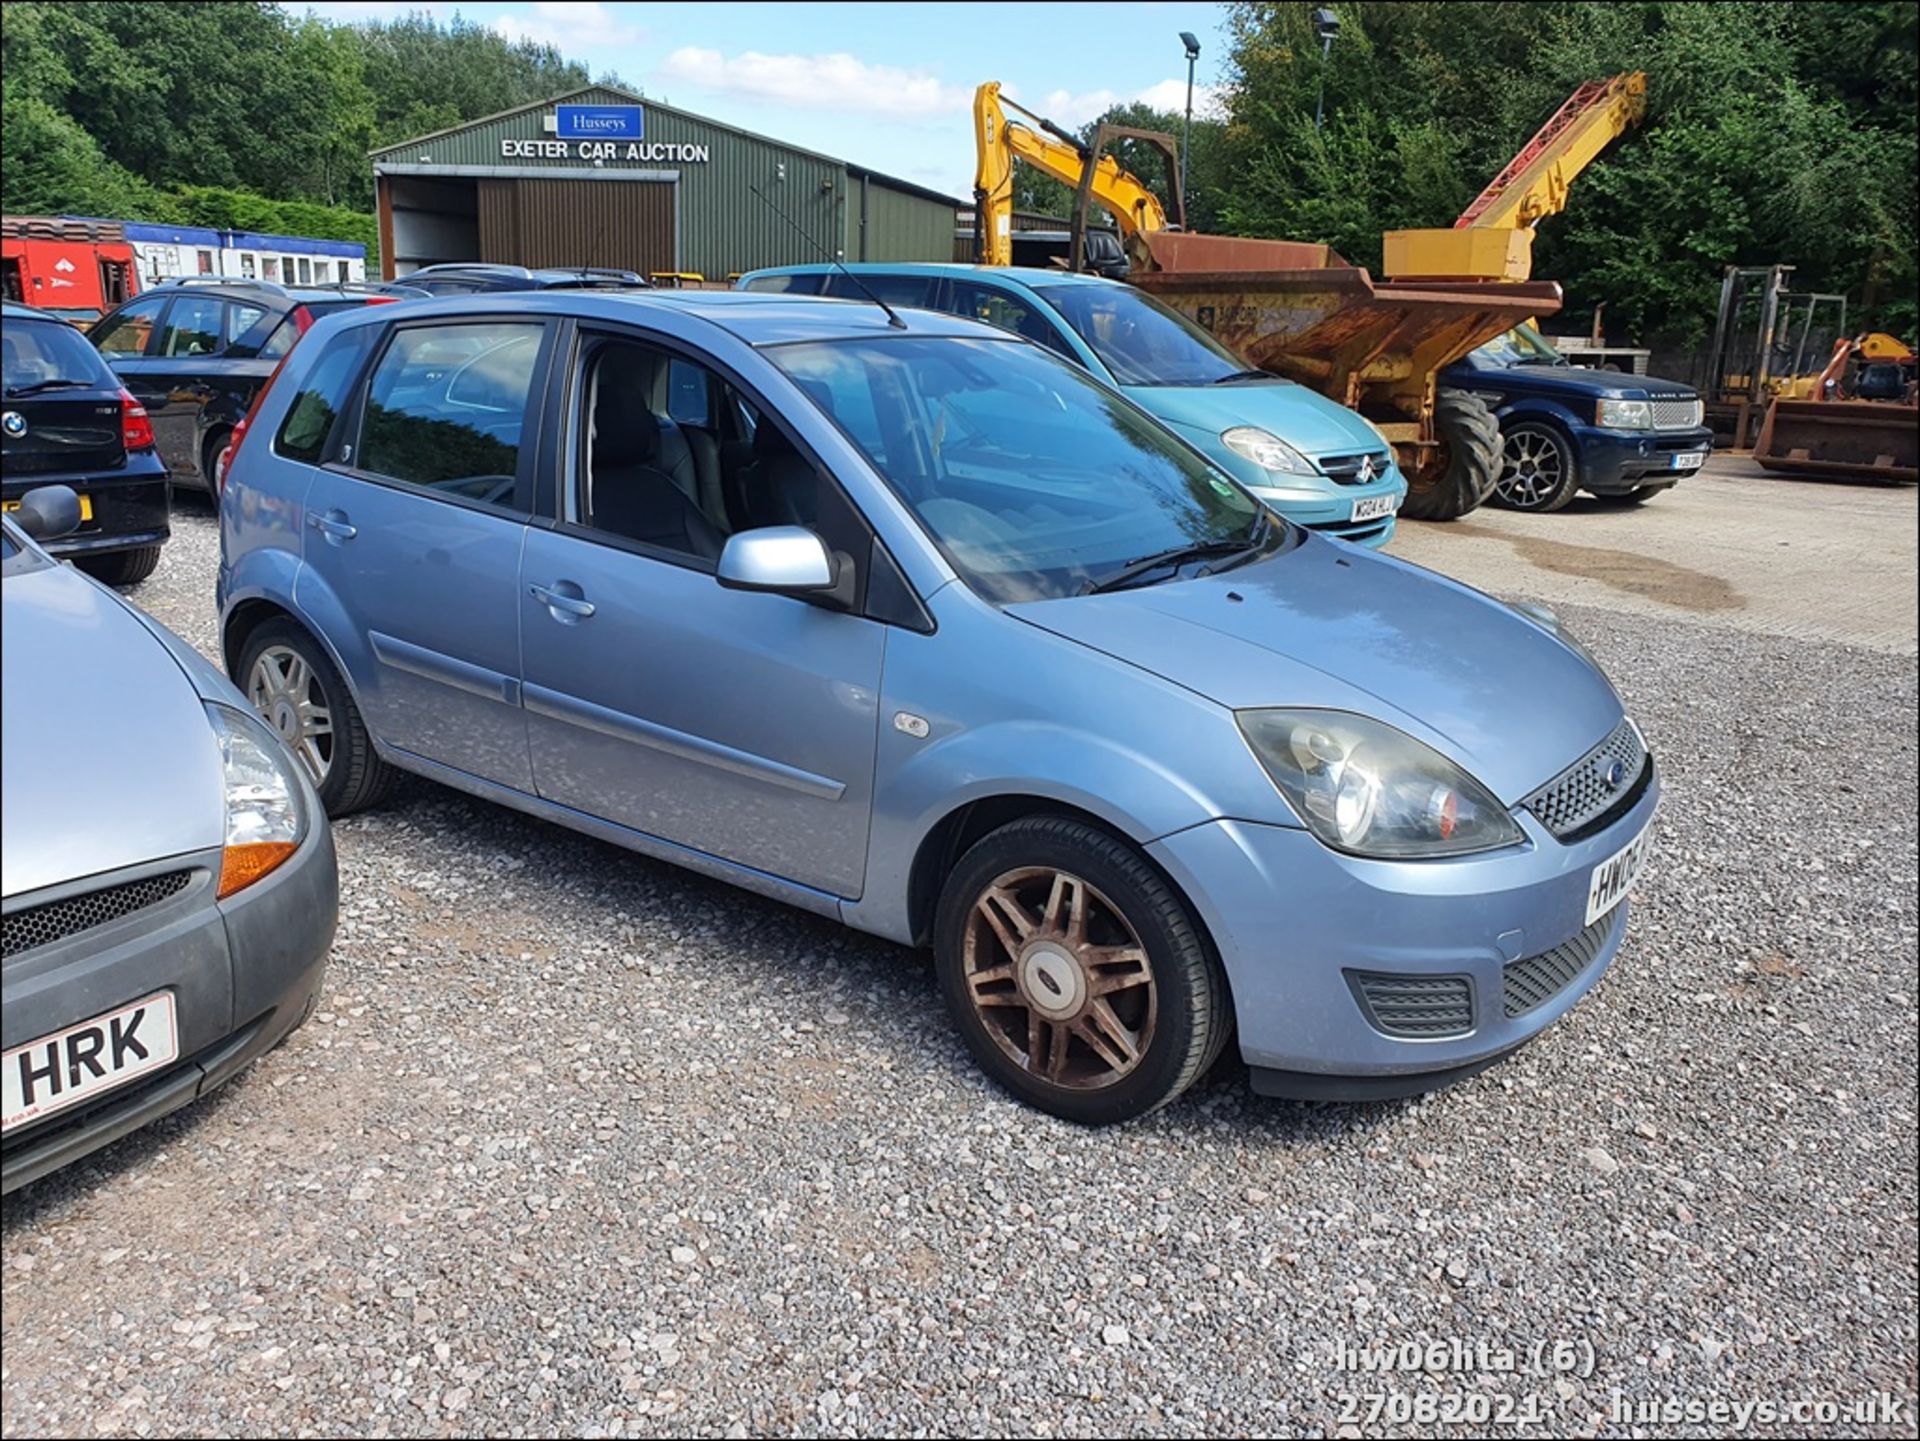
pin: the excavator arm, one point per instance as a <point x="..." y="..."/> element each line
<point x="1493" y="238"/>
<point x="999" y="142"/>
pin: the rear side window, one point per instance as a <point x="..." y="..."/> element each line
<point x="786" y="284"/>
<point x="909" y="290"/>
<point x="40" y="355"/>
<point x="446" y="405"/>
<point x="323" y="394"/>
<point x="193" y="327"/>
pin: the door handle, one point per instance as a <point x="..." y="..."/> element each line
<point x="333" y="525"/>
<point x="562" y="604"/>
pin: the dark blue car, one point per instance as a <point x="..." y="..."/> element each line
<point x="1566" y="429"/>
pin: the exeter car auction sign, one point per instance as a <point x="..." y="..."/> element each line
<point x="602" y="133"/>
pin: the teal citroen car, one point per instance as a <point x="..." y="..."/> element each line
<point x="1319" y="464"/>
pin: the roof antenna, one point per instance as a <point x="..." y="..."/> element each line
<point x="895" y="321"/>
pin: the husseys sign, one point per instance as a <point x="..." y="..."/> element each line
<point x="602" y="133"/>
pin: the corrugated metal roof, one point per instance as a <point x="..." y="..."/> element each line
<point x="613" y="95"/>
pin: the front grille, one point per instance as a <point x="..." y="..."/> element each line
<point x="1677" y="413"/>
<point x="1531" y="983"/>
<point x="1585" y="795"/>
<point x="38" y="926"/>
<point x="1420" y="1006"/>
<point x="1354" y="469"/>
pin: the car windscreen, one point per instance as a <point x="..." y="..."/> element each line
<point x="1035" y="480"/>
<point x="43" y="356"/>
<point x="1523" y="345"/>
<point x="1140" y="340"/>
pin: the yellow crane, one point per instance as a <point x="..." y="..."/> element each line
<point x="999" y="142"/>
<point x="1493" y="238"/>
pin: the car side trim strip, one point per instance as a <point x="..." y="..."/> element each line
<point x="432" y="665"/>
<point x="575" y="711"/>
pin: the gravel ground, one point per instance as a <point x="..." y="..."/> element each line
<point x="579" y="1144"/>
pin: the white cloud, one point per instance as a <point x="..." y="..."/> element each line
<point x="837" y="81"/>
<point x="582" y="32"/>
<point x="1064" y="108"/>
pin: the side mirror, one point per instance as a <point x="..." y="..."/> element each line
<point x="784" y="559"/>
<point x="48" y="512"/>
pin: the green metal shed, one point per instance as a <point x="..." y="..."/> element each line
<point x="601" y="176"/>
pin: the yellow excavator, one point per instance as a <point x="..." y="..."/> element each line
<point x="1493" y="238"/>
<point x="1053" y="151"/>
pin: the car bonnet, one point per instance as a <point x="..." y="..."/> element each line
<point x="107" y="755"/>
<point x="1327" y="624"/>
<point x="1304" y="419"/>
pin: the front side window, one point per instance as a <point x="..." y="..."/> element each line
<point x="269" y="267"/>
<point x="128" y="332"/>
<point x="1140" y="340"/>
<point x="306" y="271"/>
<point x="341" y="272"/>
<point x="205" y="260"/>
<point x="446" y="406"/>
<point x="246" y="266"/>
<point x="1034" y="480"/>
<point x="1009" y="312"/>
<point x="194" y="327"/>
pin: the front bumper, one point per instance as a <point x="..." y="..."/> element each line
<point x="243" y="973"/>
<point x="129" y="509"/>
<point x="1613" y="461"/>
<point x="1331" y="513"/>
<point x="1295" y="923"/>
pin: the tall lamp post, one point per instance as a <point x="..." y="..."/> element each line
<point x="1326" y="25"/>
<point x="1186" y="134"/>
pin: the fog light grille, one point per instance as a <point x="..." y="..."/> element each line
<point x="1422" y="1006"/>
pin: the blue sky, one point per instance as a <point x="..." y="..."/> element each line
<point x="887" y="85"/>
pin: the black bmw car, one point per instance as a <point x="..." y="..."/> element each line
<point x="69" y="421"/>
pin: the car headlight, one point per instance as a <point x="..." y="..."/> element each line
<point x="266" y="818"/>
<point x="1548" y="620"/>
<point x="1624" y="415"/>
<point x="1369" y="789"/>
<point x="1265" y="449"/>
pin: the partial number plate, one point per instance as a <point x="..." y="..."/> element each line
<point x="79" y="1063"/>
<point x="86" y="508"/>
<point x="1375" y="507"/>
<point x="1687" y="460"/>
<point x="1615" y="876"/>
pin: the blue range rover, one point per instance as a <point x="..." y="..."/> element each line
<point x="1565" y="428"/>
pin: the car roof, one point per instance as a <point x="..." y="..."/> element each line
<point x="12" y="310"/>
<point x="756" y="318"/>
<point x="1028" y="275"/>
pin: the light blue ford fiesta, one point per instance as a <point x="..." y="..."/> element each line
<point x="902" y="620"/>
<point x="1317" y="463"/>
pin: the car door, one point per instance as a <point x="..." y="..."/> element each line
<point x="738" y="724"/>
<point x="414" y="532"/>
<point x="124" y="339"/>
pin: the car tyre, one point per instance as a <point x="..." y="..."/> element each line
<point x="298" y="691"/>
<point x="1470" y="437"/>
<point x="1077" y="975"/>
<point x="1538" y="472"/>
<point x="122" y="567"/>
<point x="210" y="460"/>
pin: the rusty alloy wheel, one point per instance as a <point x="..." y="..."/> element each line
<point x="1059" y="979"/>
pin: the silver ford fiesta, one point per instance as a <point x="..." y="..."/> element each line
<point x="169" y="880"/>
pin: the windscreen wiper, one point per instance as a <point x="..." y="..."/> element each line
<point x="40" y="385"/>
<point x="1238" y="375"/>
<point x="1134" y="569"/>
